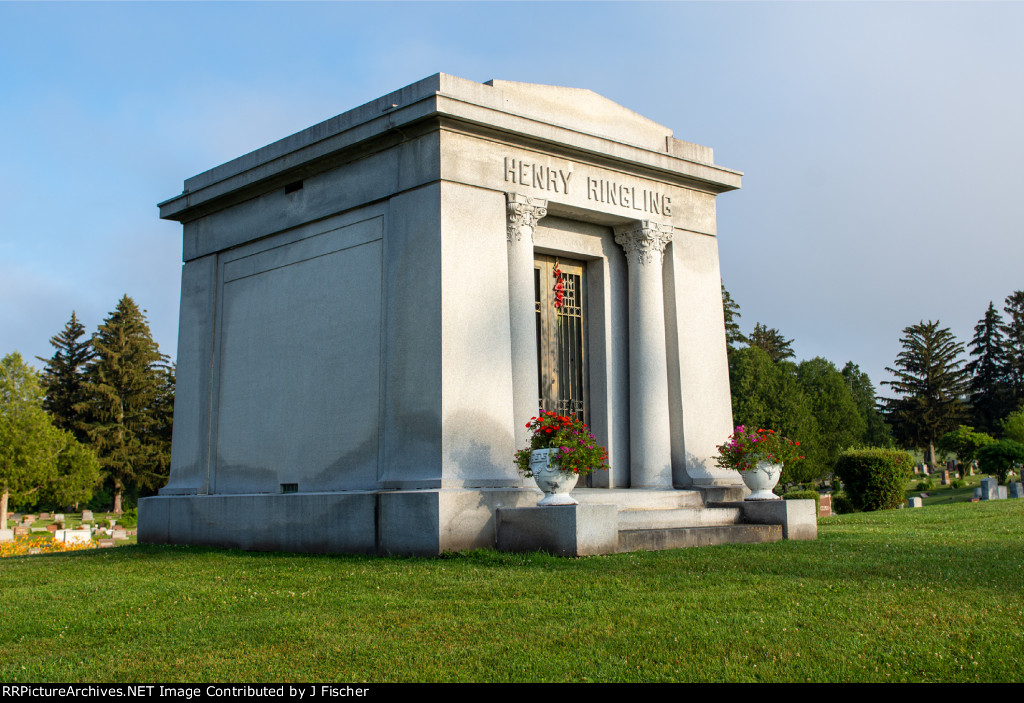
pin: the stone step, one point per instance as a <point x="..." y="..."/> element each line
<point x="677" y="538"/>
<point x="636" y="498"/>
<point x="662" y="518"/>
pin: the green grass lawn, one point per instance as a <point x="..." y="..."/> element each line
<point x="931" y="594"/>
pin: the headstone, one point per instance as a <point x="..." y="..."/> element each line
<point x="22" y="531"/>
<point x="945" y="477"/>
<point x="977" y="493"/>
<point x="923" y="495"/>
<point x="44" y="516"/>
<point x="915" y="502"/>
<point x="1001" y="492"/>
<point x="120" y="533"/>
<point x="51" y="528"/>
<point x="989" y="489"/>
<point x="6" y="535"/>
<point x="73" y="536"/>
<point x="105" y="543"/>
<point x="917" y="470"/>
<point x="1016" y="489"/>
<point x="825" y="506"/>
<point x="58" y="517"/>
<point x="87" y="516"/>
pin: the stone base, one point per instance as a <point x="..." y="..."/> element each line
<point x="421" y="522"/>
<point x="797" y="517"/>
<point x="6" y="535"/>
<point x="563" y="530"/>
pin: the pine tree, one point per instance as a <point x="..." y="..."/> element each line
<point x="64" y="378"/>
<point x="126" y="389"/>
<point x="731" y="308"/>
<point x="989" y="390"/>
<point x="772" y="342"/>
<point x="1014" y="348"/>
<point x="930" y="383"/>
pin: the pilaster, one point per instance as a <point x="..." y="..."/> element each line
<point x="522" y="213"/>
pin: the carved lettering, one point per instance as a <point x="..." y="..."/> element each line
<point x="510" y="169"/>
<point x="612" y="193"/>
<point x="565" y="175"/>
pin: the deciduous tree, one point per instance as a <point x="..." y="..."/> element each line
<point x="766" y="394"/>
<point x="840" y="424"/>
<point x="877" y="432"/>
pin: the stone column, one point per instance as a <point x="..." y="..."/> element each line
<point x="523" y="213"/>
<point x="650" y="442"/>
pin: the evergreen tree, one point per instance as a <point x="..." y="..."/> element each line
<point x="1014" y="348"/>
<point x="930" y="384"/>
<point x="731" y="308"/>
<point x="64" y="378"/>
<point x="989" y="390"/>
<point x="126" y="386"/>
<point x="772" y="342"/>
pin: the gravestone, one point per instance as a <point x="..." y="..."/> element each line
<point x="977" y="493"/>
<point x="361" y="343"/>
<point x="22" y="531"/>
<point x="44" y="516"/>
<point x="990" y="489"/>
<point x="915" y="502"/>
<point x="825" y="506"/>
<point x="87" y="516"/>
<point x="945" y="477"/>
<point x="6" y="535"/>
<point x="1016" y="489"/>
<point x="58" y="517"/>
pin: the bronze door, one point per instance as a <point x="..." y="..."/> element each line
<point x="562" y="336"/>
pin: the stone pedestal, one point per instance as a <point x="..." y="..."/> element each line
<point x="563" y="530"/>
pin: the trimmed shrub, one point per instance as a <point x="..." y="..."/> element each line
<point x="875" y="478"/>
<point x="998" y="458"/>
<point x="801" y="495"/>
<point x="841" y="504"/>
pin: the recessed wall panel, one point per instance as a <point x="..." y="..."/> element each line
<point x="299" y="365"/>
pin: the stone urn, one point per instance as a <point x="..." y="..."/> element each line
<point x="761" y="480"/>
<point x="555" y="483"/>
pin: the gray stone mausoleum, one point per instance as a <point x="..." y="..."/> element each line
<point x="367" y="321"/>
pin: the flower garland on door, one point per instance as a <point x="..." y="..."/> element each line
<point x="559" y="285"/>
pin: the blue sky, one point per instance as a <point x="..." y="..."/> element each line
<point x="881" y="142"/>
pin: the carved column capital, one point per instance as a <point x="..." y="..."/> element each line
<point x="641" y="239"/>
<point x="523" y="213"/>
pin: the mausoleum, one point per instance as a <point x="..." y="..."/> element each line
<point x="367" y="322"/>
